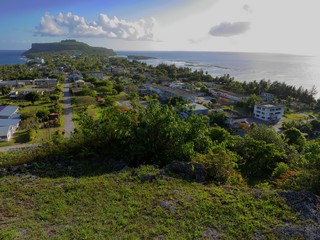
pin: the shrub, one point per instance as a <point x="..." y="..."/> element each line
<point x="31" y="134"/>
<point x="280" y="169"/>
<point x="219" y="166"/>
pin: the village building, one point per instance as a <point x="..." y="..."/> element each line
<point x="219" y="93"/>
<point x="79" y="83"/>
<point x="9" y="122"/>
<point x="98" y="75"/>
<point x="268" y="112"/>
<point x="46" y="83"/>
<point x="72" y="77"/>
<point x="199" y="109"/>
<point x="11" y="83"/>
<point x="236" y="120"/>
<point x="267" y="97"/>
<point x="167" y="92"/>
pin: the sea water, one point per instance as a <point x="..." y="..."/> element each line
<point x="11" y="57"/>
<point x="294" y="70"/>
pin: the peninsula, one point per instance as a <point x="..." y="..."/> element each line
<point x="66" y="47"/>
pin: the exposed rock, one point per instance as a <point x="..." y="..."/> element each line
<point x="148" y="177"/>
<point x="168" y="205"/>
<point x="200" y="173"/>
<point x="211" y="233"/>
<point x="307" y="205"/>
<point x="181" y="169"/>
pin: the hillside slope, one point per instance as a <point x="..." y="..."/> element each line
<point x="138" y="204"/>
<point x="66" y="47"/>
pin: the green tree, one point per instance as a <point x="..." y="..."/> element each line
<point x="32" y="97"/>
<point x="295" y="137"/>
<point x="219" y="134"/>
<point x="54" y="97"/>
<point x="43" y="115"/>
<point x="312" y="154"/>
<point x="259" y="158"/>
<point x="315" y="124"/>
<point x="218" y="118"/>
<point x="119" y="88"/>
<point x="267" y="134"/>
<point x="5" y="90"/>
<point x="253" y="99"/>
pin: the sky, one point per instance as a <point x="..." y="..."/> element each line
<point x="277" y="26"/>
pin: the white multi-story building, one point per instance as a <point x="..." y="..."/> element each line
<point x="268" y="112"/>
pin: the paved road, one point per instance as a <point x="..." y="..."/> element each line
<point x="68" y="122"/>
<point x="67" y="111"/>
<point x="19" y="146"/>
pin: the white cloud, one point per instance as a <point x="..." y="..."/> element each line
<point x="227" y="29"/>
<point x="71" y="25"/>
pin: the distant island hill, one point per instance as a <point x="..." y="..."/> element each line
<point x="66" y="47"/>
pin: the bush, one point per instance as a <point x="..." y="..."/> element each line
<point x="31" y="134"/>
<point x="280" y="169"/>
<point x="219" y="166"/>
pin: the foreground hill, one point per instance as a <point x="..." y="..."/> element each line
<point x="138" y="203"/>
<point x="66" y="47"/>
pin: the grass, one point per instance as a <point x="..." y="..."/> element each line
<point x="45" y="134"/>
<point x="121" y="206"/>
<point x="295" y="117"/>
<point x="21" y="136"/>
<point x="5" y="144"/>
<point x="120" y="97"/>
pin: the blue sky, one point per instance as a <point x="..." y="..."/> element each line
<point x="288" y="26"/>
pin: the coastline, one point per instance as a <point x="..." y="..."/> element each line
<point x="293" y="70"/>
<point x="11" y="57"/>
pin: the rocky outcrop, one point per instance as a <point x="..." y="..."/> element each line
<point x="66" y="47"/>
<point x="307" y="205"/>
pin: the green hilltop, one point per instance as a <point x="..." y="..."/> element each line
<point x="66" y="47"/>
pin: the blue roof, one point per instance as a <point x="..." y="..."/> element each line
<point x="7" y="111"/>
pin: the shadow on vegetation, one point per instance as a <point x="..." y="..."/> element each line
<point x="57" y="167"/>
<point x="21" y="137"/>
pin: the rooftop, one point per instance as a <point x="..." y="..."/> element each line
<point x="269" y="105"/>
<point x="4" y="130"/>
<point x="7" y="111"/>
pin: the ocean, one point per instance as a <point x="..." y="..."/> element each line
<point x="294" y="70"/>
<point x="11" y="57"/>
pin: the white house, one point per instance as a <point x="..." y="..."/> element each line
<point x="268" y="112"/>
<point x="5" y="133"/>
<point x="9" y="122"/>
<point x="79" y="83"/>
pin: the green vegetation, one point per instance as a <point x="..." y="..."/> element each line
<point x="295" y="117"/>
<point x="124" y="206"/>
<point x="66" y="47"/>
<point x="132" y="171"/>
